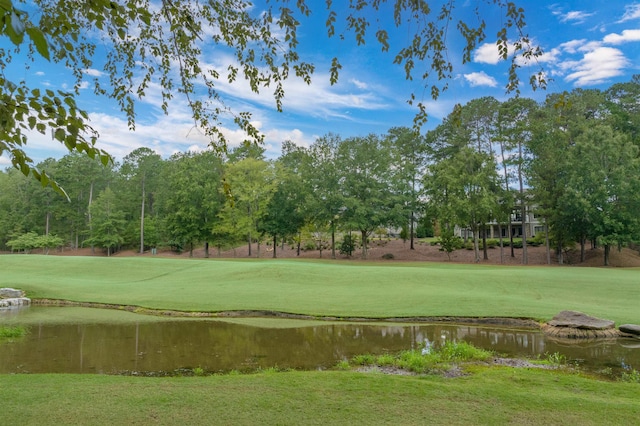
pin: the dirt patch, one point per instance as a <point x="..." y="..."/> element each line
<point x="402" y="252"/>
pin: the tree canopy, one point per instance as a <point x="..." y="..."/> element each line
<point x="149" y="43"/>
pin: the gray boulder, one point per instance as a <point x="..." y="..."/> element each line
<point x="574" y="319"/>
<point x="10" y="293"/>
<point x="630" y="329"/>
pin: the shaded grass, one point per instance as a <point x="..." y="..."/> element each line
<point x="490" y="396"/>
<point x="329" y="288"/>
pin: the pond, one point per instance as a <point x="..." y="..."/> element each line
<point x="62" y="340"/>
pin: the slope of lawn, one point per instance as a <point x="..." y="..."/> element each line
<point x="329" y="288"/>
<point x="496" y="395"/>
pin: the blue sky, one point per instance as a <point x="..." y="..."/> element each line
<point x="587" y="44"/>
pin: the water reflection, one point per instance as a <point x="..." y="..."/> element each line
<point x="221" y="346"/>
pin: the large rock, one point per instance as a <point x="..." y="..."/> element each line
<point x="574" y="319"/>
<point x="14" y="301"/>
<point x="630" y="329"/>
<point x="10" y="293"/>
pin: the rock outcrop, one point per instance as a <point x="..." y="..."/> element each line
<point x="10" y="297"/>
<point x="632" y="329"/>
<point x="577" y="325"/>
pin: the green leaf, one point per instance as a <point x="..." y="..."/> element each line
<point x="37" y="37"/>
<point x="59" y="135"/>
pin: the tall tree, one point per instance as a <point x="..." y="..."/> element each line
<point x="109" y="224"/>
<point x="191" y="198"/>
<point x="365" y="180"/>
<point x="141" y="169"/>
<point x="409" y="156"/>
<point x="516" y="134"/>
<point x="251" y="182"/>
<point x="599" y="188"/>
<point x="324" y="202"/>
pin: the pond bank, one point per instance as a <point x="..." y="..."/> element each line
<point x="498" y="321"/>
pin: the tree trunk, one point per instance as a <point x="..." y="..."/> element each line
<point x="523" y="206"/>
<point x="299" y="241"/>
<point x="485" y="253"/>
<point x="364" y="244"/>
<point x="249" y="242"/>
<point x="275" y="245"/>
<point x="142" y="220"/>
<point x="546" y="241"/>
<point x="476" y="250"/>
<point x="501" y="243"/>
<point x="89" y="215"/>
<point x="607" y="252"/>
<point x="206" y="249"/>
<point x="513" y="253"/>
<point x="559" y="253"/>
<point x="333" y="240"/>
<point x="411" y="232"/>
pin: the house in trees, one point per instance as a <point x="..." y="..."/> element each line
<point x="514" y="228"/>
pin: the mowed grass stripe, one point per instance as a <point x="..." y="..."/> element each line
<point x="329" y="288"/>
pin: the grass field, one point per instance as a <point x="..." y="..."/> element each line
<point x="326" y="288"/>
<point x="495" y="396"/>
<point x="485" y="395"/>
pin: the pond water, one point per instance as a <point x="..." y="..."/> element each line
<point x="135" y="344"/>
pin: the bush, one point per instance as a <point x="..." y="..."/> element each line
<point x="348" y="245"/>
<point x="388" y="256"/>
<point x="538" y="240"/>
<point x="493" y="243"/>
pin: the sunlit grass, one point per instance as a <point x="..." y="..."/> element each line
<point x="338" y="289"/>
<point x="426" y="359"/>
<point x="12" y="332"/>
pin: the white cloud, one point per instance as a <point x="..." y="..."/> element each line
<point x="572" y="46"/>
<point x="84" y="85"/>
<point x="93" y="72"/>
<point x="480" y="79"/>
<point x="632" y="11"/>
<point x="575" y="16"/>
<point x="488" y="53"/>
<point x="597" y="66"/>
<point x="318" y="99"/>
<point x="40" y="73"/>
<point x="359" y="84"/>
<point x="626" y="36"/>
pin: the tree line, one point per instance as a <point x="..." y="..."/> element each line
<point x="573" y="159"/>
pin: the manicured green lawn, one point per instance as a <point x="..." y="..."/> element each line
<point x="489" y="396"/>
<point x="329" y="288"/>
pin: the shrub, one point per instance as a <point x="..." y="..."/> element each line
<point x="493" y="243"/>
<point x="366" y="359"/>
<point x="388" y="256"/>
<point x="348" y="245"/>
<point x="538" y="240"/>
